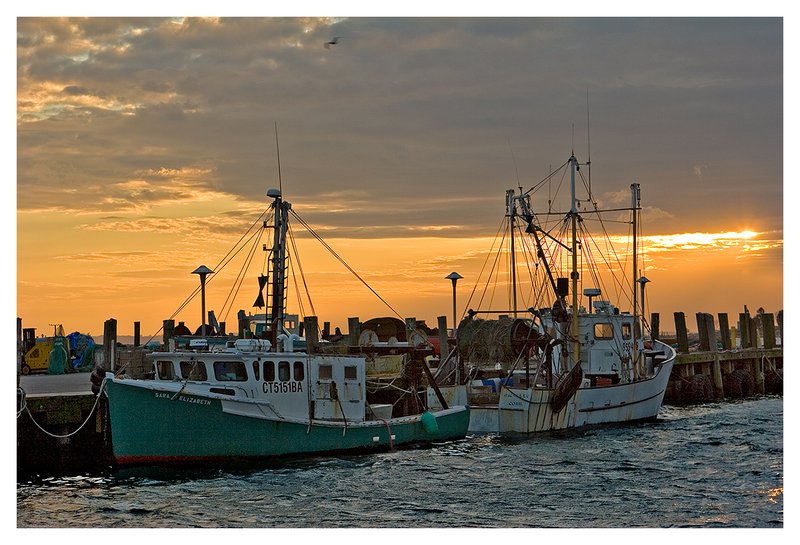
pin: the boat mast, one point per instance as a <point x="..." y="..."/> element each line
<point x="576" y="346"/>
<point x="512" y="214"/>
<point x="635" y="200"/>
<point x="278" y="265"/>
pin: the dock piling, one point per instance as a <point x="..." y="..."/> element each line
<point x="312" y="337"/>
<point x="724" y="331"/>
<point x="109" y="343"/>
<point x="655" y="332"/>
<point x="353" y="330"/>
<point x="169" y="331"/>
<point x="681" y="333"/>
<point x="444" y="348"/>
<point x="768" y="321"/>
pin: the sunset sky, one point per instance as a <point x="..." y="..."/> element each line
<point x="146" y="146"/>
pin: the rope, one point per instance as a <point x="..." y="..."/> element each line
<point x="344" y="417"/>
<point x="547" y="178"/>
<point x="89" y="417"/>
<point x="237" y="283"/>
<point x="302" y="274"/>
<point x="389" y="431"/>
<point x="342" y="261"/>
<point x="219" y="266"/>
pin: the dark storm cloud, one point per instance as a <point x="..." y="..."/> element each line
<point x="422" y="116"/>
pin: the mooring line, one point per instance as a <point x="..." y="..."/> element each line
<point x="27" y="410"/>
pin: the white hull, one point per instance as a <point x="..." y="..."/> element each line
<point x="527" y="410"/>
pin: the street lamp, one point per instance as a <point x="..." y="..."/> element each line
<point x="203" y="271"/>
<point x="454" y="277"/>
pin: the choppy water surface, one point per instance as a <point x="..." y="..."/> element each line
<point x="715" y="465"/>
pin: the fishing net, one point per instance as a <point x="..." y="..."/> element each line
<point x="486" y="341"/>
<point x="740" y="383"/>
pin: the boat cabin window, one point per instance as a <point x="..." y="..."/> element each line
<point x="350" y="372"/>
<point x="603" y="331"/>
<point x="165" y="370"/>
<point x="325" y="372"/>
<point x="269" y="371"/>
<point x="626" y="331"/>
<point x="193" y="370"/>
<point x="284" y="372"/>
<point x="230" y="371"/>
<point x="299" y="372"/>
<point x="255" y="370"/>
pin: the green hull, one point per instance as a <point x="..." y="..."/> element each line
<point x="148" y="426"/>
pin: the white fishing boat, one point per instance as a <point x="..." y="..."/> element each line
<point x="572" y="360"/>
<point x="275" y="395"/>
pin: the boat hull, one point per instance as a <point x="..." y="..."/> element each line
<point x="528" y="410"/>
<point x="152" y="425"/>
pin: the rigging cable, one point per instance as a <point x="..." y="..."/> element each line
<point x="342" y="261"/>
<point x="237" y="283"/>
<point x="221" y="265"/>
<point x="547" y="178"/>
<point x="485" y="261"/>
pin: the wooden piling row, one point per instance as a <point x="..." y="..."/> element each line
<point x="721" y="367"/>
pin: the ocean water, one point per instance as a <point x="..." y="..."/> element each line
<point x="716" y="465"/>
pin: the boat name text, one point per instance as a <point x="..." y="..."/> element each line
<point x="185" y="399"/>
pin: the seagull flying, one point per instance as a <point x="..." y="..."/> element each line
<point x="332" y="42"/>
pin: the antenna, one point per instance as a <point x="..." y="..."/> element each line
<point x="588" y="144"/>
<point x="277" y="147"/>
<point x="514" y="160"/>
<point x="573" y="139"/>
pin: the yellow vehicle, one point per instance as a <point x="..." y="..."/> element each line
<point x="37" y="356"/>
<point x="37" y="359"/>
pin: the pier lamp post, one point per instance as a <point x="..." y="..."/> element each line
<point x="454" y="277"/>
<point x="202" y="271"/>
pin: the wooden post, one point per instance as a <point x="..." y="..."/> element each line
<point x="19" y="349"/>
<point x="655" y="333"/>
<point x="753" y="332"/>
<point x="768" y="320"/>
<point x="744" y="330"/>
<point x="137" y="337"/>
<point x="109" y="343"/>
<point x="243" y="325"/>
<point x="719" y="388"/>
<point x="758" y="374"/>
<point x="702" y="330"/>
<point x="169" y="332"/>
<point x="326" y="330"/>
<point x="222" y="331"/>
<point x="444" y="347"/>
<point x="780" y="325"/>
<point x="353" y="331"/>
<point x="680" y="332"/>
<point x="734" y="333"/>
<point x="724" y="331"/>
<point x="312" y="338"/>
<point x="711" y="332"/>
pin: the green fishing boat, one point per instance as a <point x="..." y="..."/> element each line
<point x="255" y="398"/>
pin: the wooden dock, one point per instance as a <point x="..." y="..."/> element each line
<point x="725" y="362"/>
<point x="62" y="426"/>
